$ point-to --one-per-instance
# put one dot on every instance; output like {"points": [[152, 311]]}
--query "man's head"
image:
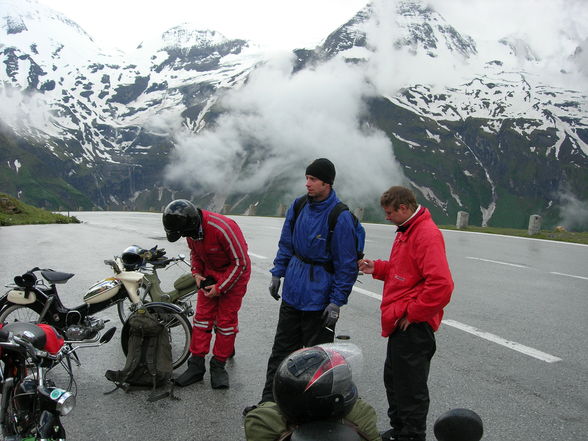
{"points": [[314, 384], [320, 176], [181, 219], [399, 203]]}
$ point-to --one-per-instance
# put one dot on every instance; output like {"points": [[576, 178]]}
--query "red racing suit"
{"points": [[219, 251], [417, 279]]}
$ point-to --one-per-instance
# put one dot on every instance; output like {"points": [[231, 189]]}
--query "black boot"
{"points": [[194, 373], [219, 378]]}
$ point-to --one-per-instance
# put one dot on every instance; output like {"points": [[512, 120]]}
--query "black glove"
{"points": [[330, 315], [274, 287]]}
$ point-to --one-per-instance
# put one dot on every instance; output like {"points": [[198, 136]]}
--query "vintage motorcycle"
{"points": [[135, 258], [32, 402], [32, 300]]}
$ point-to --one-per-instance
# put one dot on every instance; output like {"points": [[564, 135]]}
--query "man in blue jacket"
{"points": [[318, 273]]}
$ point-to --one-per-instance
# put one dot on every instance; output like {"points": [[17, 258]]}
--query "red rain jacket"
{"points": [[222, 253], [417, 279]]}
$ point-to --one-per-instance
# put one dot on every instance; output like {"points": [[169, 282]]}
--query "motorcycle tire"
{"points": [[180, 332], [18, 313]]}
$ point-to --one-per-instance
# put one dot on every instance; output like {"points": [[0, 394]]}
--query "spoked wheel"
{"points": [[178, 326], [124, 309], [18, 313]]}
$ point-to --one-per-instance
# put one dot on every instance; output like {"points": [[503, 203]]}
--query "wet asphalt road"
{"points": [[513, 346]]}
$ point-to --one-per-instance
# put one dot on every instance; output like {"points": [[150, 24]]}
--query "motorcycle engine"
{"points": [[84, 331]]}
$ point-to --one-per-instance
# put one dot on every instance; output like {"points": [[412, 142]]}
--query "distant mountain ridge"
{"points": [[85, 128]]}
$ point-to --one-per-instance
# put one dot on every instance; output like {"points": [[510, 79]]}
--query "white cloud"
{"points": [[278, 123]]}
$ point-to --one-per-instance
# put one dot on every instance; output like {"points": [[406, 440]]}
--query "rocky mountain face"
{"points": [[471, 128]]}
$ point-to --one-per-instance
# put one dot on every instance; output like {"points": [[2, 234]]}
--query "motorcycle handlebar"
{"points": [[18, 343]]}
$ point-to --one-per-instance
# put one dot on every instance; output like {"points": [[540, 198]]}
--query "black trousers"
{"points": [[296, 329], [406, 372]]}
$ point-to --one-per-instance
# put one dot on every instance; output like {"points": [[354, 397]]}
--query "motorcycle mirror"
{"points": [[108, 335], [182, 256]]}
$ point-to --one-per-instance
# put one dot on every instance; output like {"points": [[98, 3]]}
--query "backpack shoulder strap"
{"points": [[298, 206], [339, 208]]}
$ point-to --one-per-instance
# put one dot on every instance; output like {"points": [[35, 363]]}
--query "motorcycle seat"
{"points": [[56, 276]]}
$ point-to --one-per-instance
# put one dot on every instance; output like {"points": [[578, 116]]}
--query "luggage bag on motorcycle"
{"points": [[149, 357]]}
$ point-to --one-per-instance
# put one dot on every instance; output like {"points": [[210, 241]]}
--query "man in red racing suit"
{"points": [[221, 268], [417, 286]]}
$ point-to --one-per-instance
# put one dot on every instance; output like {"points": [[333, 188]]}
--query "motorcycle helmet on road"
{"points": [[181, 219], [133, 258], [314, 384]]}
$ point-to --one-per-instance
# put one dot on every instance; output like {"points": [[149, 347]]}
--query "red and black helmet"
{"points": [[181, 219], [314, 384]]}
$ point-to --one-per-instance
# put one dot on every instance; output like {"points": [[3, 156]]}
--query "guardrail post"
{"points": [[463, 218], [534, 224], [281, 211], [358, 212]]}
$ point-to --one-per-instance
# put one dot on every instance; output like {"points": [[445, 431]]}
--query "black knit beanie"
{"points": [[322, 169]]}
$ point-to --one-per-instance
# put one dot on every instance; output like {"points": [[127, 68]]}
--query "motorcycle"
{"points": [[32, 404], [148, 262], [32, 300]]}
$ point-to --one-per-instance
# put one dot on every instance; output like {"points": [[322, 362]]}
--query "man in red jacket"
{"points": [[221, 267], [417, 286]]}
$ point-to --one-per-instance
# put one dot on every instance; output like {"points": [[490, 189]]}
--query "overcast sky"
{"points": [[304, 23], [275, 23]]}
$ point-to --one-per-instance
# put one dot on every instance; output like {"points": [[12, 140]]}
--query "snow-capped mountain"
{"points": [[486, 127]]}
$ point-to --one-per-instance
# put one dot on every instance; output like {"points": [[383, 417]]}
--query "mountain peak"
{"points": [[184, 36]]}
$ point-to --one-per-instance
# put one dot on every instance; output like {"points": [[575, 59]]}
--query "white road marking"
{"points": [[497, 261], [256, 255], [501, 341], [568, 275], [367, 293], [535, 353]]}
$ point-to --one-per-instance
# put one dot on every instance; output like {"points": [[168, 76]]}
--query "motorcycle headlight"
{"points": [[64, 401]]}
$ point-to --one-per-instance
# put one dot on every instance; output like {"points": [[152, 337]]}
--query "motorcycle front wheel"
{"points": [[178, 326]]}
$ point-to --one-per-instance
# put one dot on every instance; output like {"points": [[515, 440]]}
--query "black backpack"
{"points": [[149, 357], [332, 221]]}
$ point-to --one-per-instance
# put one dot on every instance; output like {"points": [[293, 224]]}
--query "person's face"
{"points": [[316, 188], [398, 216]]}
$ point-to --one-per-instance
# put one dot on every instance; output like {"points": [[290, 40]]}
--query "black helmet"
{"points": [[459, 425], [314, 384], [133, 257], [181, 218]]}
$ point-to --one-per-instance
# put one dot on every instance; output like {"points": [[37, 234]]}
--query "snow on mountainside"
{"points": [[73, 83], [488, 83], [423, 65], [483, 126]]}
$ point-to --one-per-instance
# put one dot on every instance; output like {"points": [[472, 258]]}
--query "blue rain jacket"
{"points": [[310, 242]]}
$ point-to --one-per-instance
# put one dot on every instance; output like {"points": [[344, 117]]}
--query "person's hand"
{"points": [[210, 291], [330, 315], [274, 287], [198, 278], [403, 323], [366, 266]]}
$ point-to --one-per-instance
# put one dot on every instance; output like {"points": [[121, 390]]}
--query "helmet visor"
{"points": [[172, 236]]}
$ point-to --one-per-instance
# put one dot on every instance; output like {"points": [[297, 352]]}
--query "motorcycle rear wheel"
{"points": [[180, 332], [18, 313]]}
